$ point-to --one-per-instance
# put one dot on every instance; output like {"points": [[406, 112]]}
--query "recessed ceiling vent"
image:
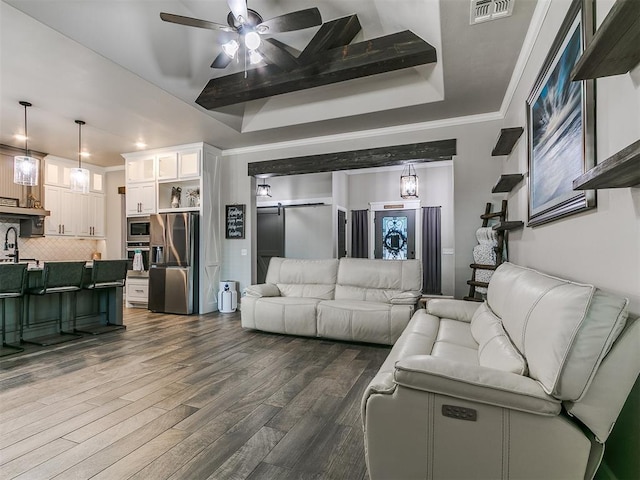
{"points": [[485, 10]]}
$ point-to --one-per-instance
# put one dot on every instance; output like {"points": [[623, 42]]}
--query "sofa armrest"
{"points": [[475, 383], [262, 290], [405, 298], [461, 310]]}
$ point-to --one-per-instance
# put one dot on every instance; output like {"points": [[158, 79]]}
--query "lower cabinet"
{"points": [[137, 292]]}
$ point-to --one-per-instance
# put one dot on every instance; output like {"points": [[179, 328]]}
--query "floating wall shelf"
{"points": [[502, 226], [507, 182], [614, 48], [618, 171], [507, 139]]}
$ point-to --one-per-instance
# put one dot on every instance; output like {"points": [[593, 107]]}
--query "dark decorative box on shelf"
{"points": [[507, 139], [507, 182], [618, 171], [614, 48], [513, 225]]}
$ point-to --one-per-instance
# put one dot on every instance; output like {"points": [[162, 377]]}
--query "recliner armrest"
{"points": [[405, 298], [262, 290], [461, 310], [474, 383]]}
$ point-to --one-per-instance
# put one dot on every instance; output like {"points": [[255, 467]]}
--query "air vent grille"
{"points": [[485, 10]]}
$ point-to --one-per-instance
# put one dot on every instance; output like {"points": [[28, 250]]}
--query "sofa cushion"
{"points": [[321, 291], [377, 280], [291, 270], [291, 315], [563, 329], [495, 349], [362, 321]]}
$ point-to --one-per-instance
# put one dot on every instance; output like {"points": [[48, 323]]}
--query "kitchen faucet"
{"points": [[14, 245]]}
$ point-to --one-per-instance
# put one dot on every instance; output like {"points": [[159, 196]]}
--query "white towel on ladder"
{"points": [[485, 254]]}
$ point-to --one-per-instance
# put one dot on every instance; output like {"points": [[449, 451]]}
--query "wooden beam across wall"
{"points": [[367, 158]]}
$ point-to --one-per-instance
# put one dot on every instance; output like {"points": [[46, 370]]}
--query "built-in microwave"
{"points": [[138, 229]]}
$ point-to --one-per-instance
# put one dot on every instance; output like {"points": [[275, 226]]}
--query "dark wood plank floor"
{"points": [[185, 397]]}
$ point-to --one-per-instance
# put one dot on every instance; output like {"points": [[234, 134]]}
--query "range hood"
{"points": [[22, 212]]}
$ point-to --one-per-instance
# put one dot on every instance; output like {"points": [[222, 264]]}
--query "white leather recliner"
{"points": [[526, 385]]}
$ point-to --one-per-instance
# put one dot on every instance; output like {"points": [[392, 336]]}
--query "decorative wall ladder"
{"points": [[501, 227]]}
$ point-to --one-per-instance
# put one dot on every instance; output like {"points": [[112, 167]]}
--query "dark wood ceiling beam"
{"points": [[378, 55], [368, 158], [333, 34]]}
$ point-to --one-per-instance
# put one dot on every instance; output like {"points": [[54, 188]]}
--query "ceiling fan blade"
{"points": [[238, 9], [194, 22], [289, 22], [275, 53], [221, 61]]}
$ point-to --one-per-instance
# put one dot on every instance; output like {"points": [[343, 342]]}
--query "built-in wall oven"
{"points": [[138, 229], [143, 247]]}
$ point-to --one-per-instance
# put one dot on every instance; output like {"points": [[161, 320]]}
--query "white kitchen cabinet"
{"points": [[137, 292], [57, 171], [90, 216], [189, 164], [97, 180], [141, 169], [141, 199], [167, 166], [62, 204]]}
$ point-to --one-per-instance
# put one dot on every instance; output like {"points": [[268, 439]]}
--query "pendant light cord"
{"points": [[80, 123]]}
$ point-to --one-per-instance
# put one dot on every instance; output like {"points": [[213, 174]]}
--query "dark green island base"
{"points": [[91, 310]]}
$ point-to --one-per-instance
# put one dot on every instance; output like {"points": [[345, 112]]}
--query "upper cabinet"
{"points": [[73, 214], [141, 169], [176, 185]]}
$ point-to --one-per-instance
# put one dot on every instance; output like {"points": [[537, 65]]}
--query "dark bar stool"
{"points": [[57, 278], [106, 277], [13, 277]]}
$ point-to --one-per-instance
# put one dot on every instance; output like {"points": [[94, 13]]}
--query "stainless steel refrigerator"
{"points": [[173, 272]]}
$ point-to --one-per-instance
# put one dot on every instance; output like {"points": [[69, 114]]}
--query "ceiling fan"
{"points": [[248, 26]]}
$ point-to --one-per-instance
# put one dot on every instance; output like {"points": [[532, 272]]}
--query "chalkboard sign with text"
{"points": [[235, 221]]}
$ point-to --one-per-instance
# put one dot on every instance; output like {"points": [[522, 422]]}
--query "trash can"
{"points": [[227, 297]]}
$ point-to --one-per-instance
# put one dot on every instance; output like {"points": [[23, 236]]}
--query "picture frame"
{"points": [[561, 124], [234, 222], [9, 202]]}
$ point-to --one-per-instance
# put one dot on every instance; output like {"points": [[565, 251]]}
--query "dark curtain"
{"points": [[360, 233], [431, 251]]}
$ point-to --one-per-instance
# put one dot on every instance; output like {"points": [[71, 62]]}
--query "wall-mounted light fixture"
{"points": [[26, 168], [263, 190], [409, 182], [79, 176]]}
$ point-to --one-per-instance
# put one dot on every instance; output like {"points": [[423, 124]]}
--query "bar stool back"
{"points": [[57, 278], [13, 277], [106, 276]]}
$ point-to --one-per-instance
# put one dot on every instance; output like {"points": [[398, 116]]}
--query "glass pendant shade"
{"points": [[409, 183], [252, 40], [263, 190], [230, 48], [26, 169], [79, 177]]}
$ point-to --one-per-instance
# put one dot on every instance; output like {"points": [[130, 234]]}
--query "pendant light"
{"points": [[25, 167], [79, 176], [409, 183], [263, 190]]}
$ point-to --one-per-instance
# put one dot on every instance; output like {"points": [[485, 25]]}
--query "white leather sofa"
{"points": [[525, 385], [348, 299]]}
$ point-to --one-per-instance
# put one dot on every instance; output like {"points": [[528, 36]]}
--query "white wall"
{"points": [[115, 216], [474, 174], [308, 232], [600, 246]]}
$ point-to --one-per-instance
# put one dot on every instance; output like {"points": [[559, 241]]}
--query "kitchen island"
{"points": [[91, 307]]}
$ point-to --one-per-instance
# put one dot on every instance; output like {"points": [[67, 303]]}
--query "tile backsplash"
{"points": [[50, 248]]}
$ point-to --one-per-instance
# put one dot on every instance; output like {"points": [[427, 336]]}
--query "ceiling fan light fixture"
{"points": [[79, 177], [231, 48], [26, 168], [254, 57], [252, 40]]}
